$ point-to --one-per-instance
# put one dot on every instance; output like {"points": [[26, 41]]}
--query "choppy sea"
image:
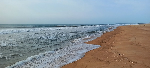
{"points": [[47, 45]]}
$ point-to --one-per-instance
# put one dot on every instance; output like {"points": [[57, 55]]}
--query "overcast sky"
{"points": [[74, 11]]}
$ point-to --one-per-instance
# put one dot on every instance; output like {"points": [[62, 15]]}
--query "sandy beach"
{"points": [[125, 47]]}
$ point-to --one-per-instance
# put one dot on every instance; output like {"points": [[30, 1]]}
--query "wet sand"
{"points": [[125, 47]]}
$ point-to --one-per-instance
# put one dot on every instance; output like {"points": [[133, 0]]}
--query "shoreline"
{"points": [[60, 56], [126, 47]]}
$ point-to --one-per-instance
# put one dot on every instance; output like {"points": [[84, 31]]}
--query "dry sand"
{"points": [[125, 47]]}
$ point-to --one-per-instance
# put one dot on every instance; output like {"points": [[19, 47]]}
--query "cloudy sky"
{"points": [[74, 11]]}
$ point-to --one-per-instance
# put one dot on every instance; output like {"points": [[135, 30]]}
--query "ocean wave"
{"points": [[56, 59]]}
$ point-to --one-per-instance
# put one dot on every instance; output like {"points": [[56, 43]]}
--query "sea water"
{"points": [[46, 46]]}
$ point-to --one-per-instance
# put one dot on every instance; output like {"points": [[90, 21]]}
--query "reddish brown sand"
{"points": [[125, 47]]}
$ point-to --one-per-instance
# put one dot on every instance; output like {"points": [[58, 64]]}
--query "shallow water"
{"points": [[19, 44]]}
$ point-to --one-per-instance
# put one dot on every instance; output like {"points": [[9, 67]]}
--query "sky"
{"points": [[74, 11]]}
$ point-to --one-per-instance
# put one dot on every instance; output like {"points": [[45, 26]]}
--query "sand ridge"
{"points": [[125, 47]]}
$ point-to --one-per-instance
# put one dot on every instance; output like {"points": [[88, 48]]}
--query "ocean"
{"points": [[47, 45]]}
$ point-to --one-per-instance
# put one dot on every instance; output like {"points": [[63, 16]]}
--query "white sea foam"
{"points": [[56, 59]]}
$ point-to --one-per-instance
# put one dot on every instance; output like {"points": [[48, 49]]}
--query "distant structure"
{"points": [[141, 23]]}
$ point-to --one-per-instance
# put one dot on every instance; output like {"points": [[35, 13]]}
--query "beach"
{"points": [[125, 47], [43, 46]]}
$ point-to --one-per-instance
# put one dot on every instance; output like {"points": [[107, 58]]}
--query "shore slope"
{"points": [[125, 47]]}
